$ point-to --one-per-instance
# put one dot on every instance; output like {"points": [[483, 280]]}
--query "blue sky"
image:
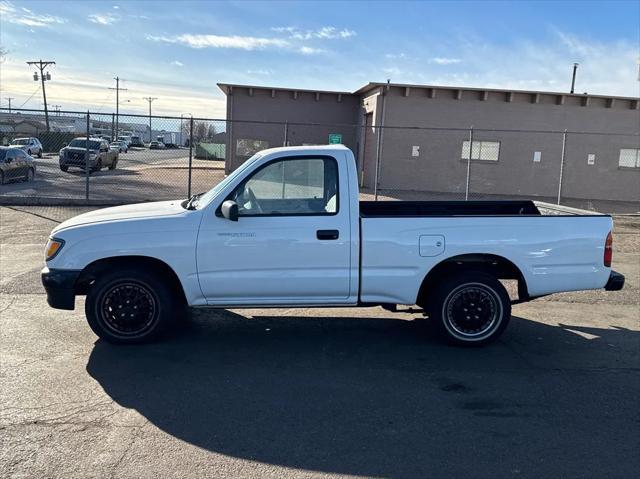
{"points": [[177, 51]]}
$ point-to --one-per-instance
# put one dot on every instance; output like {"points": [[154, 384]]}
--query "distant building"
{"points": [[525, 161]]}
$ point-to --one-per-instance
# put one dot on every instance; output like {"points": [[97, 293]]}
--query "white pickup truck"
{"points": [[286, 229]]}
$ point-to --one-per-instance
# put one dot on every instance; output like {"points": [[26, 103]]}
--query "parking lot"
{"points": [[141, 175], [316, 392]]}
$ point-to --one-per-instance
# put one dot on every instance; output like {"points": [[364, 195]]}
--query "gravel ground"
{"points": [[316, 393]]}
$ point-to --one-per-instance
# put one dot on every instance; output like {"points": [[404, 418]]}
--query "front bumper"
{"points": [[615, 283], [60, 287]]}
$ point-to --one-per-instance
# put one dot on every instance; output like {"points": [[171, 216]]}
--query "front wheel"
{"points": [[64, 168], [470, 308], [40, 154], [131, 306], [30, 175]]}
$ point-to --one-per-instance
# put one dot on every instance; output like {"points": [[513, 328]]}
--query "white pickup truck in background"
{"points": [[287, 229]]}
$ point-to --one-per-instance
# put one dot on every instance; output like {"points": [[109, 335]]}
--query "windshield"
{"points": [[82, 143], [21, 141], [205, 199]]}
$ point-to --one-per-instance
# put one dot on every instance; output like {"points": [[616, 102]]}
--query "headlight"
{"points": [[61, 153], [54, 245]]}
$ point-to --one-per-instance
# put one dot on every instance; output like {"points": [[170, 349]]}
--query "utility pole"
{"points": [[57, 109], [573, 78], [150, 100], [9, 100], [117, 89], [43, 77]]}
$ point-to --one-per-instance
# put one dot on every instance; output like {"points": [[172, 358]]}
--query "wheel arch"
{"points": [[499, 266], [90, 272]]}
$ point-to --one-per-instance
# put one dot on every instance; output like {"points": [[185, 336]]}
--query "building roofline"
{"points": [[374, 85], [227, 87]]}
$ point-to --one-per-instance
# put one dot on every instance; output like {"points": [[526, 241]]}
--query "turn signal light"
{"points": [[52, 248], [608, 250]]}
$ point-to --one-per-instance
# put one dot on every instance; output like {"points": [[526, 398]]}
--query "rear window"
{"points": [[82, 143], [21, 141]]}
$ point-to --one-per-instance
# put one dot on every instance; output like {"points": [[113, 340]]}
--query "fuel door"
{"points": [[431, 245]]}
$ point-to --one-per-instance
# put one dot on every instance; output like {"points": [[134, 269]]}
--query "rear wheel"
{"points": [[30, 175], [98, 166], [64, 168], [29, 152], [40, 154], [113, 165], [470, 308], [1, 178], [131, 306]]}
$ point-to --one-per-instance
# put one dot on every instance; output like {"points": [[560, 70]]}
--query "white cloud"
{"points": [[260, 72], [324, 33], [103, 18], [393, 56], [310, 50], [235, 42], [221, 41], [24, 16], [445, 61], [177, 63]]}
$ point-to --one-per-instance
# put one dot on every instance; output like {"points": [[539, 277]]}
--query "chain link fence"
{"points": [[133, 158]]}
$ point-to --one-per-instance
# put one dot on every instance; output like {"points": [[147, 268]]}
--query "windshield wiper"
{"points": [[192, 202]]}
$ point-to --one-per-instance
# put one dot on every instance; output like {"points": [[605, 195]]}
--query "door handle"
{"points": [[327, 234]]}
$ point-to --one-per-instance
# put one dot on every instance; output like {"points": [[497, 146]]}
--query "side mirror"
{"points": [[229, 210]]}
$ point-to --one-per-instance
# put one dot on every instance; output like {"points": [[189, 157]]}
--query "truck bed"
{"points": [[372, 209]]}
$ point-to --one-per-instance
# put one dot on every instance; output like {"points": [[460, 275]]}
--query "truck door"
{"points": [[291, 243]]}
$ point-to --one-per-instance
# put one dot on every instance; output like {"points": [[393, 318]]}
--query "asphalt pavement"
{"points": [[140, 175], [316, 392]]}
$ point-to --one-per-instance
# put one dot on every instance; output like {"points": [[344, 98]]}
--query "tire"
{"points": [[113, 165], [470, 308], [64, 168], [98, 166], [1, 178], [158, 305], [29, 152], [30, 175], [40, 154]]}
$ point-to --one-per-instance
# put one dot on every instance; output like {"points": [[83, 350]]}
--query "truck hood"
{"points": [[124, 213]]}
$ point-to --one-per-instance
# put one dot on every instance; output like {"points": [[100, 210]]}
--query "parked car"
{"points": [[15, 164], [286, 229], [31, 146], [119, 146], [168, 139], [156, 145], [126, 139], [136, 141], [100, 155]]}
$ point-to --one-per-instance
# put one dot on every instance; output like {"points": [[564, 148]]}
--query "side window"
{"points": [[305, 186], [11, 154], [20, 155]]}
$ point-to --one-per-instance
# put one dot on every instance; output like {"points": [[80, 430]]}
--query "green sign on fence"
{"points": [[335, 138]]}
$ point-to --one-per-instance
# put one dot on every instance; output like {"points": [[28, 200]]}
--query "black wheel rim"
{"points": [[129, 309], [472, 311]]}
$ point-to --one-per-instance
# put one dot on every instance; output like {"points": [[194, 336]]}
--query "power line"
{"points": [[27, 100], [41, 65]]}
